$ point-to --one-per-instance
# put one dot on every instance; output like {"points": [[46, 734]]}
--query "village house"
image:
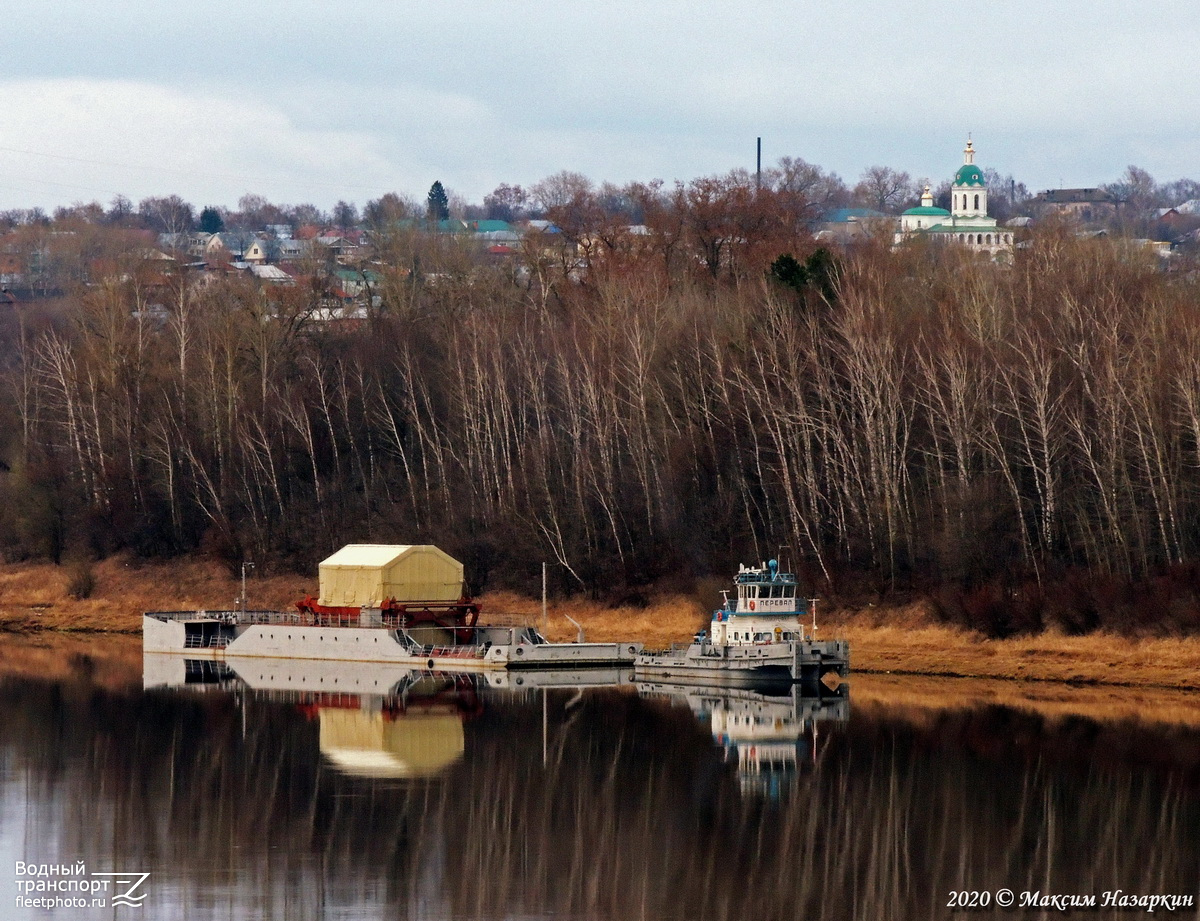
{"points": [[843, 225], [1087, 205]]}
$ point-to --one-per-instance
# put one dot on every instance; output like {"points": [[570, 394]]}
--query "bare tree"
{"points": [[557, 190], [884, 189], [170, 215]]}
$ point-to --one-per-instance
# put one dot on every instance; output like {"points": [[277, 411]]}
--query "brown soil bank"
{"points": [[37, 597]]}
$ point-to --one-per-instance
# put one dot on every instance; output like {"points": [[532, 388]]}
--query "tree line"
{"points": [[882, 188], [1021, 442]]}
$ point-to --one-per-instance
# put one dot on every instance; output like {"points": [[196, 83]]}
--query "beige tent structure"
{"points": [[366, 575]]}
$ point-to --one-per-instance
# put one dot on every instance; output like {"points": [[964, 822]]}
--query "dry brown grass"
{"points": [[1098, 658], [35, 596], [664, 621]]}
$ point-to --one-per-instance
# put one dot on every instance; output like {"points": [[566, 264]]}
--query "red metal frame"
{"points": [[459, 616], [459, 694]]}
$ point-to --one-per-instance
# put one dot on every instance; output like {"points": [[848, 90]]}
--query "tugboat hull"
{"points": [[806, 662]]}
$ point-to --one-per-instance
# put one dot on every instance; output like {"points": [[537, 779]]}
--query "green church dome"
{"points": [[969, 174], [928, 210]]}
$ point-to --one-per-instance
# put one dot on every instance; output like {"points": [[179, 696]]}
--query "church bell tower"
{"points": [[968, 195]]}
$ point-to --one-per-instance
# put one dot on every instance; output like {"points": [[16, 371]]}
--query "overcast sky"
{"points": [[306, 101]]}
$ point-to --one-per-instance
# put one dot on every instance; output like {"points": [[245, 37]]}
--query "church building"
{"points": [[967, 222]]}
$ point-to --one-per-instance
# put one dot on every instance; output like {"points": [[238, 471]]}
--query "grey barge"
{"points": [[396, 604], [285, 635], [758, 637]]}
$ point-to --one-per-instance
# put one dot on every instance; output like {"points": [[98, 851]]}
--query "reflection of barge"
{"points": [[379, 603], [374, 720], [754, 638]]}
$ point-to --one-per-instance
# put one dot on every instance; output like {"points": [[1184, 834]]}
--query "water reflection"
{"points": [[375, 720], [255, 794], [768, 733]]}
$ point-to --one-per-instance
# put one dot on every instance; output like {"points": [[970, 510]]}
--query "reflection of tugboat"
{"points": [[769, 736], [757, 637]]}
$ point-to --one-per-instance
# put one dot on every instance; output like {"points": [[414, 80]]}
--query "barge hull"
{"points": [[221, 636]]}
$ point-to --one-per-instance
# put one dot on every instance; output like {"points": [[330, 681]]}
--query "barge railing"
{"points": [[268, 618]]}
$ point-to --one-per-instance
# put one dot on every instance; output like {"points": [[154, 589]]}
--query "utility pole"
{"points": [[758, 169], [545, 626], [245, 565]]}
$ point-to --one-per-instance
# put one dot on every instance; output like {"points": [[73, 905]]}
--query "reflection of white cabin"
{"points": [[768, 736]]}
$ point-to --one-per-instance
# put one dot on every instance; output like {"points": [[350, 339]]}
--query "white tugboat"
{"points": [[758, 636]]}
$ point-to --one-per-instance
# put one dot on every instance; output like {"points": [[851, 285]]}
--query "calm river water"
{"points": [[275, 791]]}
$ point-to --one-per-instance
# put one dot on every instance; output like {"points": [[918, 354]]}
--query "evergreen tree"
{"points": [[788, 270], [818, 273], [439, 202], [211, 220]]}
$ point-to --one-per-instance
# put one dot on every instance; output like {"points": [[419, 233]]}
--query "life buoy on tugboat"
{"points": [[751, 605]]}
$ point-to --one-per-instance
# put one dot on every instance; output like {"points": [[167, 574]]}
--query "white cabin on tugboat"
{"points": [[767, 609]]}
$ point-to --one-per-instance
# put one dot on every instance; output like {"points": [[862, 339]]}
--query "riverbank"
{"points": [[908, 640], [899, 641]]}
